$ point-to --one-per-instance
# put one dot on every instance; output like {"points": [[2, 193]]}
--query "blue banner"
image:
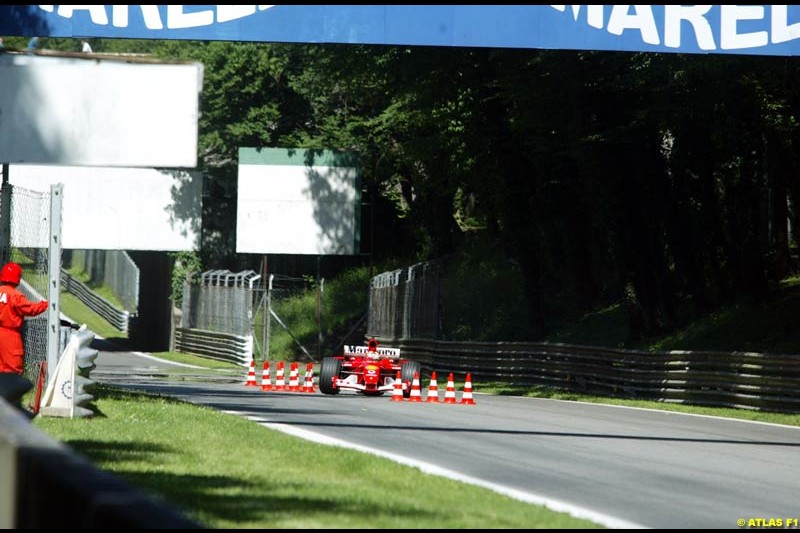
{"points": [[693, 29]]}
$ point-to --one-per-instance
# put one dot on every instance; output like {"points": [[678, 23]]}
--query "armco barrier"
{"points": [[215, 345], [44, 485], [744, 380], [116, 317]]}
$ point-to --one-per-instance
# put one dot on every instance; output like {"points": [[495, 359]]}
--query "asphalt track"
{"points": [[620, 467]]}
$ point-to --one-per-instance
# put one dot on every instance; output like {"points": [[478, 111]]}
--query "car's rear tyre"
{"points": [[407, 371], [328, 371]]}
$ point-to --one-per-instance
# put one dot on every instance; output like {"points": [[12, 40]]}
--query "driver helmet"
{"points": [[11, 273], [372, 348]]}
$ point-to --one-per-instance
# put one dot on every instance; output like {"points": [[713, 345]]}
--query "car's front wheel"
{"points": [[329, 370]]}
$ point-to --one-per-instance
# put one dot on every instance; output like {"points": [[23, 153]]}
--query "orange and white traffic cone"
{"points": [[251, 375], [266, 382], [308, 382], [433, 390], [397, 392], [466, 396], [280, 378], [450, 391], [294, 378], [416, 395]]}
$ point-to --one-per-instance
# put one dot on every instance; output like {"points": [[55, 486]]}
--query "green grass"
{"points": [[227, 472]]}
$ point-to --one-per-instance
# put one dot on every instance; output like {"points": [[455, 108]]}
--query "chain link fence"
{"points": [[29, 240], [240, 316], [281, 325]]}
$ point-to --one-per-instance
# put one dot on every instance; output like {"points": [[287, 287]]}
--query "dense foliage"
{"points": [[664, 181]]}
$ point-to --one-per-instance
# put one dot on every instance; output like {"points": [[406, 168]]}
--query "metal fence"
{"points": [[29, 246], [240, 316], [219, 300], [216, 314], [279, 323], [30, 234], [406, 303], [113, 268]]}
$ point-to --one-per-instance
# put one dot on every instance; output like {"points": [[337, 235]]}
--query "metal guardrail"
{"points": [[118, 318], [215, 345], [743, 380], [44, 485]]}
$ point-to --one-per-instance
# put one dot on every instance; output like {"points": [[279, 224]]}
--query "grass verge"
{"points": [[227, 472], [77, 311]]}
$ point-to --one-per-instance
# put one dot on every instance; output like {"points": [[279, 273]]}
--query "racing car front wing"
{"points": [[351, 383]]}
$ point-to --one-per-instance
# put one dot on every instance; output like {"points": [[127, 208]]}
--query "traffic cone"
{"points": [[280, 379], [397, 392], [416, 395], [294, 378], [308, 384], [433, 390], [466, 396], [266, 383], [450, 391], [251, 375]]}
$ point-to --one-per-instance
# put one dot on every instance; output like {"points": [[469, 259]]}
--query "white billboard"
{"points": [[91, 110], [121, 208], [297, 201]]}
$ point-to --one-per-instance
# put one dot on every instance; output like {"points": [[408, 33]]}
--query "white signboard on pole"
{"points": [[295, 201], [98, 111]]}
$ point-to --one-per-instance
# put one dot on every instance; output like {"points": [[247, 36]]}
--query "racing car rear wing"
{"points": [[351, 349]]}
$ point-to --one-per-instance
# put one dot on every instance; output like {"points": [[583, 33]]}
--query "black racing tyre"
{"points": [[407, 371], [330, 369]]}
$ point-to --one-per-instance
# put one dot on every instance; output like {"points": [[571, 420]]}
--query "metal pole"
{"points": [[321, 291], [267, 317], [265, 313], [54, 279], [5, 217], [319, 310]]}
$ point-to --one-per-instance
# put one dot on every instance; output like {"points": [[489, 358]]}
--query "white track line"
{"points": [[527, 497]]}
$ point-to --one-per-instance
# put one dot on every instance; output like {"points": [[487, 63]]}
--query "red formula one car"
{"points": [[369, 370]]}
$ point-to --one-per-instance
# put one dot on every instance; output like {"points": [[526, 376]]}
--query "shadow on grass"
{"points": [[217, 499], [116, 450], [229, 499]]}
